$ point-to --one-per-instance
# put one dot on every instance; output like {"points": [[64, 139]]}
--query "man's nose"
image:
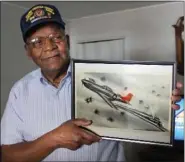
{"points": [[49, 45]]}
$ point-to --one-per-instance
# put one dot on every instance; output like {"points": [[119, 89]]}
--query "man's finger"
{"points": [[82, 122], [175, 98], [75, 146], [86, 142], [176, 92], [179, 85], [90, 136], [175, 106]]}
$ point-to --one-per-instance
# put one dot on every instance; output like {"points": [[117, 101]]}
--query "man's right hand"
{"points": [[70, 135]]}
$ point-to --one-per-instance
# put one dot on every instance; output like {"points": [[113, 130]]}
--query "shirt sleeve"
{"points": [[11, 122]]}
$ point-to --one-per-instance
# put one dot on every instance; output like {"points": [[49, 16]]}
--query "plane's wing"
{"points": [[107, 101]]}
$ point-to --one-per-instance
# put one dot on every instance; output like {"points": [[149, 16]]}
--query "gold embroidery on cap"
{"points": [[29, 14], [50, 10], [39, 11]]}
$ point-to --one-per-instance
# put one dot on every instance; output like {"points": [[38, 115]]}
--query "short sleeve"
{"points": [[11, 122]]}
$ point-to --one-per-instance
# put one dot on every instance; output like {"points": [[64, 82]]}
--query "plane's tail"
{"points": [[127, 98]]}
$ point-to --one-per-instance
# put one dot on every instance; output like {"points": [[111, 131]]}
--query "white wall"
{"points": [[148, 31]]}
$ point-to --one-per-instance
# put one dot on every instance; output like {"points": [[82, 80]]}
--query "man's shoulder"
{"points": [[31, 75], [27, 80]]}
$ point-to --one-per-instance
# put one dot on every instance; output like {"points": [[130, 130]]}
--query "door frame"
{"points": [[75, 40]]}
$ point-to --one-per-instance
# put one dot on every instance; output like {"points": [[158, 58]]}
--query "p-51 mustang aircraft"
{"points": [[106, 93]]}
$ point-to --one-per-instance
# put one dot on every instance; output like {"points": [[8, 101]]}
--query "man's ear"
{"points": [[28, 52]]}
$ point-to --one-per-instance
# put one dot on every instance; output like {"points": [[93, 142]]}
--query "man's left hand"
{"points": [[176, 96]]}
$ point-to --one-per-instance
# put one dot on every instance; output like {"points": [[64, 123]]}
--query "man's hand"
{"points": [[176, 96], [70, 135]]}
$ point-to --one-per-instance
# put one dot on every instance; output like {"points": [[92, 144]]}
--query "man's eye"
{"points": [[37, 42], [58, 38]]}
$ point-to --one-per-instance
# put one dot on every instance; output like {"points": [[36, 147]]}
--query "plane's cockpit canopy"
{"points": [[107, 88], [92, 80]]}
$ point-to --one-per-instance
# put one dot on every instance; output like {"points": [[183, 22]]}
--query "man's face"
{"points": [[51, 54]]}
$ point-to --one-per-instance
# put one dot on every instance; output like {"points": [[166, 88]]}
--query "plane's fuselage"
{"points": [[99, 89]]}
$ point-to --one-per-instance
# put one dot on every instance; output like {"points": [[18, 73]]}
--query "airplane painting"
{"points": [[107, 94], [125, 104]]}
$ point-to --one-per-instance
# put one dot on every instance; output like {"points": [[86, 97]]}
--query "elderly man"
{"points": [[36, 124]]}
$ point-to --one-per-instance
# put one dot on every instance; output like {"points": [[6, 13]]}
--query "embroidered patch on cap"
{"points": [[39, 12]]}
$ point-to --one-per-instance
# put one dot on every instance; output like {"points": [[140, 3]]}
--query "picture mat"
{"points": [[127, 69]]}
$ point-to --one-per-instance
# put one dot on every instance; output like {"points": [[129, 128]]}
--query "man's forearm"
{"points": [[34, 151]]}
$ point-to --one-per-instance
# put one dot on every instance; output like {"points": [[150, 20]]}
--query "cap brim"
{"points": [[43, 21]]}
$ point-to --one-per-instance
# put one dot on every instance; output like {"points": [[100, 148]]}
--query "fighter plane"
{"points": [[106, 93]]}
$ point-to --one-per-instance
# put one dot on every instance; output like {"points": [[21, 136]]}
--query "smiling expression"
{"points": [[47, 47]]}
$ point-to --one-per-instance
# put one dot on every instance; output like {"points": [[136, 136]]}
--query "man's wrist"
{"points": [[50, 140]]}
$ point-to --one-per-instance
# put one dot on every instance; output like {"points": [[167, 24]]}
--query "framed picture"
{"points": [[126, 100]]}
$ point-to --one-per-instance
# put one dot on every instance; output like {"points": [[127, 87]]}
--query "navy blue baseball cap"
{"points": [[40, 14]]}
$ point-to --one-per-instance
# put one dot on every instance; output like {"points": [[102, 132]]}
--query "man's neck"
{"points": [[55, 77]]}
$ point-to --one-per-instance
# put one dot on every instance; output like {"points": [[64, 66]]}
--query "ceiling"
{"points": [[77, 9]]}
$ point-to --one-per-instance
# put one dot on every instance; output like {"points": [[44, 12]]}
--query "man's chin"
{"points": [[57, 67], [52, 70]]}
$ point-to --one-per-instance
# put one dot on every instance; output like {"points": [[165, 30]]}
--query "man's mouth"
{"points": [[50, 57]]}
